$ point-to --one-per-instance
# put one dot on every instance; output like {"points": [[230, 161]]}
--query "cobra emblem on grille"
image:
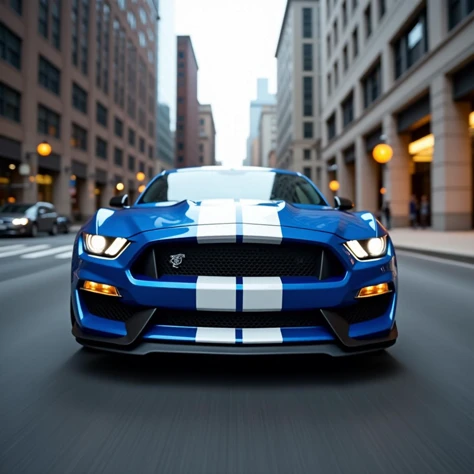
{"points": [[177, 260]]}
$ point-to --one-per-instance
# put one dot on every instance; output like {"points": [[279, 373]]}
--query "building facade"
{"points": [[164, 139], [187, 131], [401, 72], [80, 75], [299, 90], [207, 136], [267, 132], [264, 98]]}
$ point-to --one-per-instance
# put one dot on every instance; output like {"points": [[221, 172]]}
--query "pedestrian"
{"points": [[424, 211], [388, 215], [413, 212]]}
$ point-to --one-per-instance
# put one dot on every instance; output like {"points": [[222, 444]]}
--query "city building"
{"points": [[263, 98], [187, 132], [207, 136], [401, 72], [272, 159], [299, 90], [255, 152], [82, 76], [164, 139], [267, 133]]}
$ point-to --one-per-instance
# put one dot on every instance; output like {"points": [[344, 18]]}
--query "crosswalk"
{"points": [[31, 252]]}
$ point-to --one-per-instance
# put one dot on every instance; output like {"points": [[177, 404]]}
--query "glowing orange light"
{"points": [[44, 149], [140, 176], [334, 185], [383, 190], [382, 153]]}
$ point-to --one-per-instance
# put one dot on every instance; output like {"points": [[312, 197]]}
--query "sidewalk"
{"points": [[452, 245]]}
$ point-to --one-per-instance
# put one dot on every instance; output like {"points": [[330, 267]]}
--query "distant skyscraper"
{"points": [[187, 134], [207, 136], [267, 133], [263, 98], [165, 142]]}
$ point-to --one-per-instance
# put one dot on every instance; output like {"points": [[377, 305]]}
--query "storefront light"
{"points": [[12, 166], [421, 145], [471, 120]]}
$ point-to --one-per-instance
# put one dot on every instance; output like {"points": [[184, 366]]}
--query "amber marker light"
{"points": [[100, 288], [374, 290]]}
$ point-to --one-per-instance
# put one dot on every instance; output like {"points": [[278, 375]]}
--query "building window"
{"points": [[79, 137], [10, 103], [101, 114], [79, 98], [458, 10], [49, 76], [355, 4], [141, 145], [131, 137], [307, 129], [382, 8], [345, 58], [307, 57], [180, 54], [48, 122], [329, 84], [17, 6], [307, 155], [344, 14], [132, 21], [368, 21], [307, 172], [151, 172], [101, 148], [307, 96], [75, 32], [56, 25], [336, 74], [335, 33], [141, 167], [411, 46], [118, 157], [180, 146], [85, 36], [118, 127], [151, 129], [150, 152], [10, 47], [372, 85], [331, 126], [328, 46], [355, 43], [131, 163], [307, 22], [348, 110], [43, 15]]}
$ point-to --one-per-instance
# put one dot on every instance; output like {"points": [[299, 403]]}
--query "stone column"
{"points": [[344, 178], [107, 194], [451, 169], [397, 178], [62, 198], [87, 197], [366, 179], [437, 22]]}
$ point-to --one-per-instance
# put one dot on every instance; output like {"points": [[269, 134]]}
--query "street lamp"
{"points": [[119, 186], [382, 153], [334, 185], [140, 176], [44, 149], [141, 188]]}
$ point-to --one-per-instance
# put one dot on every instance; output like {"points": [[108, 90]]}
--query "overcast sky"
{"points": [[235, 43]]}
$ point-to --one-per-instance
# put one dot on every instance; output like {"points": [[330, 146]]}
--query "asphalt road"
{"points": [[64, 410]]}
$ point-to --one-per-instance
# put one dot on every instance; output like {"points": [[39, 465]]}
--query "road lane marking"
{"points": [[20, 251], [64, 255], [8, 248], [45, 253]]}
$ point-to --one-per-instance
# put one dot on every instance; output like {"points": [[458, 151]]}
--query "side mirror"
{"points": [[343, 204], [119, 201]]}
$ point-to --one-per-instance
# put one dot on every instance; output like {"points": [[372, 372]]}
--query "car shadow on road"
{"points": [[253, 371]]}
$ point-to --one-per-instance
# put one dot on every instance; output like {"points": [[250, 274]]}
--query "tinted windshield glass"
{"points": [[200, 185], [15, 208]]}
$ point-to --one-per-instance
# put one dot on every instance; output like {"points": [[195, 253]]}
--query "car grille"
{"points": [[240, 260], [108, 307], [223, 319], [366, 309]]}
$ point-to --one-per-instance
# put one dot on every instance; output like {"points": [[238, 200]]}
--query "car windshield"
{"points": [[15, 208], [233, 184]]}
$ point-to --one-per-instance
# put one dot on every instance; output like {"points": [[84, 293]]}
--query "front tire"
{"points": [[34, 230], [54, 229]]}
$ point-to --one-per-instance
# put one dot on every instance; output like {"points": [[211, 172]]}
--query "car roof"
{"points": [[231, 168]]}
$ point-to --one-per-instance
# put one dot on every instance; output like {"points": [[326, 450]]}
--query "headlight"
{"points": [[106, 246], [367, 249], [20, 221]]}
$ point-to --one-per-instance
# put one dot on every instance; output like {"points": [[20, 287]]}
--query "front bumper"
{"points": [[142, 333]]}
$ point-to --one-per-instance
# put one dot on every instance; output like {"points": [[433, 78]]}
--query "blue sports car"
{"points": [[244, 260]]}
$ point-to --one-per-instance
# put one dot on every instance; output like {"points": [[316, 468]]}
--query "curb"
{"points": [[433, 253]]}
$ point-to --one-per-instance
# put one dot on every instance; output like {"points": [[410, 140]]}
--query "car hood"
{"points": [[146, 217]]}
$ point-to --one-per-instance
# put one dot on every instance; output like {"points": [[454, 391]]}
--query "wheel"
{"points": [[54, 229], [66, 230], [34, 230]]}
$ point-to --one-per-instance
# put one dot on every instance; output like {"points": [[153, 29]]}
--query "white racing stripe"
{"points": [[23, 250], [9, 248], [261, 224], [48, 252], [216, 335], [216, 293], [262, 294], [262, 336], [217, 221]]}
